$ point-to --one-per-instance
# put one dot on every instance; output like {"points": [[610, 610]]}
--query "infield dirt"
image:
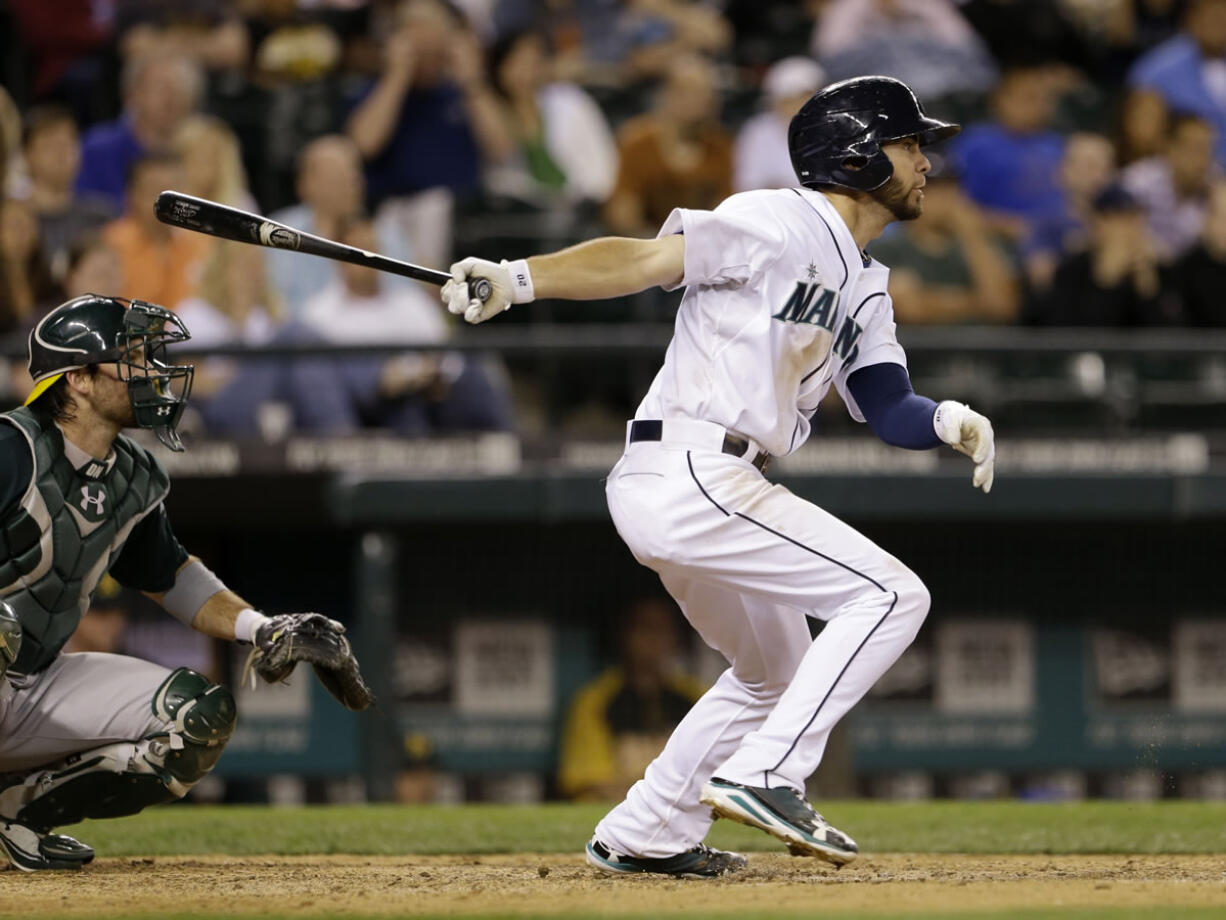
{"points": [[531, 884]]}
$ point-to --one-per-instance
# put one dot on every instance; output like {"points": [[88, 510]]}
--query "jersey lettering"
{"points": [[847, 343], [810, 303]]}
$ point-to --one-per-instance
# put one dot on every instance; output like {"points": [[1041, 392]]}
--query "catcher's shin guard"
{"points": [[125, 777]]}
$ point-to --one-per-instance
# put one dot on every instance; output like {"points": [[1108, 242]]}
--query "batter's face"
{"points": [[903, 194]]}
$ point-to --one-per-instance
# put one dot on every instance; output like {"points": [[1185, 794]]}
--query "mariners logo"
{"points": [[810, 302]]}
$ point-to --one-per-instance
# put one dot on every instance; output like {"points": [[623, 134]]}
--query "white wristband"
{"points": [[947, 421], [521, 281], [246, 623]]}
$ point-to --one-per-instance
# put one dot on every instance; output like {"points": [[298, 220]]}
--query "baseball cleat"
{"points": [[782, 813], [700, 862], [31, 851]]}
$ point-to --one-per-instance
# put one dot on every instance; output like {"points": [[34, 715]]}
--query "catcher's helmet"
{"points": [[92, 329], [836, 137]]}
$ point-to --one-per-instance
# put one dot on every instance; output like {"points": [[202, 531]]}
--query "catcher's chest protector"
{"points": [[69, 527]]}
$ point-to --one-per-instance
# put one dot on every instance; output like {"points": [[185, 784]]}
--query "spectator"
{"points": [[1142, 126], [236, 302], [53, 159], [236, 305], [10, 141], [1009, 163], [654, 33], [1201, 272], [563, 147], [1030, 32], [160, 90], [1173, 187], [925, 43], [677, 156], [208, 32], [160, 264], [1117, 281], [93, 268], [761, 158], [212, 162], [25, 279], [65, 43], [428, 124], [616, 44], [330, 188], [947, 267], [414, 393], [1189, 70], [1088, 166], [619, 722]]}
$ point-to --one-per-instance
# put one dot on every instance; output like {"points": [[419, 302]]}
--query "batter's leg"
{"points": [[764, 643]]}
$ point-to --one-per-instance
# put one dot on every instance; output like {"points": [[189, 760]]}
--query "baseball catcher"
{"points": [[95, 735]]}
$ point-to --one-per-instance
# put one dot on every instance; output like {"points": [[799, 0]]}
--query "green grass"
{"points": [[1105, 913], [879, 827]]}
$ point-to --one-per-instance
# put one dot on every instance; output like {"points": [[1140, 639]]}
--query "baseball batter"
{"points": [[781, 302], [95, 735]]}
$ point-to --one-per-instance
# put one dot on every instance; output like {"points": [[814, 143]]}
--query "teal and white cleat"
{"points": [[700, 862], [782, 813]]}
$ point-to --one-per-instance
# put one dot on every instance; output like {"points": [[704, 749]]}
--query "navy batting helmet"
{"points": [[836, 137]]}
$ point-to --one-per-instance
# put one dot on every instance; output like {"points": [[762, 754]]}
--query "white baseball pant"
{"points": [[747, 561]]}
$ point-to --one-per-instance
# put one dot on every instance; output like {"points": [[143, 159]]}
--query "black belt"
{"points": [[653, 430]]}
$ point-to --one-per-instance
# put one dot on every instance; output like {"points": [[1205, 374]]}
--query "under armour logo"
{"points": [[96, 500], [163, 410]]}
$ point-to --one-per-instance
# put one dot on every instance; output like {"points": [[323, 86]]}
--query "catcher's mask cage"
{"points": [[132, 334], [836, 137]]}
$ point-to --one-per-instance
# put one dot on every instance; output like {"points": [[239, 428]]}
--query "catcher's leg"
{"points": [[190, 721]]}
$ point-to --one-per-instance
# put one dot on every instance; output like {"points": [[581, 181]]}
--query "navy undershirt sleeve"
{"points": [[152, 555], [16, 467], [892, 409]]}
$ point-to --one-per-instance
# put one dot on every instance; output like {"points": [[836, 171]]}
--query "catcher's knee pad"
{"points": [[125, 777], [199, 717]]}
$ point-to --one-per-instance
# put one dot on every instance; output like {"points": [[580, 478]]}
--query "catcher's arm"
{"points": [[199, 599]]}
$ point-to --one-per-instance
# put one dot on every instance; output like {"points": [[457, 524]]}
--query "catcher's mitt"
{"points": [[289, 638]]}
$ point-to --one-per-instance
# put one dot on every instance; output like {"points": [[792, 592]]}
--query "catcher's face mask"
{"points": [[131, 334]]}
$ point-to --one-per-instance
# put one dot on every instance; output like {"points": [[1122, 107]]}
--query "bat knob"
{"points": [[481, 289]]}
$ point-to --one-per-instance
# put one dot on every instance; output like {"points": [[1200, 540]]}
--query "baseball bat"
{"points": [[204, 216]]}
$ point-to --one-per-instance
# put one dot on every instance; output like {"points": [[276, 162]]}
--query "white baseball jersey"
{"points": [[779, 304]]}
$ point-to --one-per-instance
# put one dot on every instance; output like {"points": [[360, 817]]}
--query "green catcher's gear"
{"points": [[133, 335], [10, 637], [67, 530], [289, 638], [123, 778]]}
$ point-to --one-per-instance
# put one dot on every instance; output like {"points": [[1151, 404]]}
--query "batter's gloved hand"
{"points": [[288, 638], [970, 433], [510, 283]]}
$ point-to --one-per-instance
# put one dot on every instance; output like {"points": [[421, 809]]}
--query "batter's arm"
{"points": [[611, 266]]}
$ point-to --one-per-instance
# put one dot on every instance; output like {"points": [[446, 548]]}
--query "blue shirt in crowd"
{"points": [[432, 145], [1013, 173], [1175, 70], [108, 151]]}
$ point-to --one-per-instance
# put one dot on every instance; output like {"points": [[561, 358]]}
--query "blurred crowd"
{"points": [[1087, 188]]}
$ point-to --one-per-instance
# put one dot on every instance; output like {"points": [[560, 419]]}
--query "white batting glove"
{"points": [[510, 282], [970, 433]]}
